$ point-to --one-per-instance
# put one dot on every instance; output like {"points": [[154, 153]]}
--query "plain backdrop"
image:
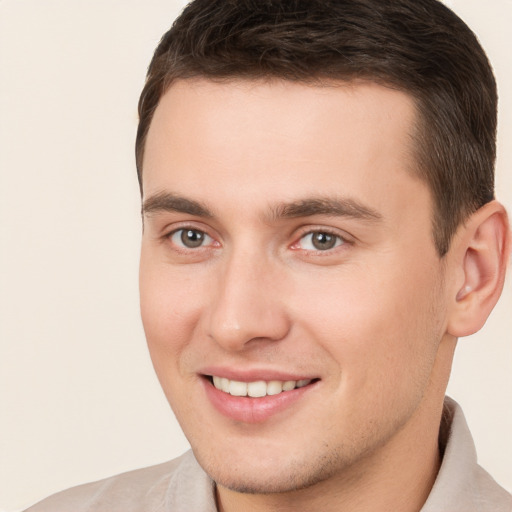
{"points": [[78, 398]]}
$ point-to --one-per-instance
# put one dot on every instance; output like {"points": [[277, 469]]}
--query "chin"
{"points": [[269, 477]]}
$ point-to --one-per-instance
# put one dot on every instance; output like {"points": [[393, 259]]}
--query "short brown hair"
{"points": [[417, 46]]}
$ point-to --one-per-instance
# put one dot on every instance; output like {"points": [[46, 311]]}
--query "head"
{"points": [[317, 200], [432, 56]]}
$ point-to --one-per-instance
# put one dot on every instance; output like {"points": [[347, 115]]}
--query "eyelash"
{"points": [[180, 232], [339, 241], [176, 238]]}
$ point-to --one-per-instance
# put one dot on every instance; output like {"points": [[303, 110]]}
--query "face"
{"points": [[291, 294]]}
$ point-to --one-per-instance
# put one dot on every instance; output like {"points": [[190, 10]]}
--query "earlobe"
{"points": [[482, 251]]}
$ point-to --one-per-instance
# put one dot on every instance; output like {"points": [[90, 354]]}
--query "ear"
{"points": [[481, 252]]}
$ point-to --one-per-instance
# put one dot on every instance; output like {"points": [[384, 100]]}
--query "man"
{"points": [[319, 229]]}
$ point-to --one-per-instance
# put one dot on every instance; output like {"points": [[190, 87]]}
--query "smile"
{"points": [[257, 389], [255, 401]]}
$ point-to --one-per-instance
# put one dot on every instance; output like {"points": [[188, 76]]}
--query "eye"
{"points": [[319, 241], [190, 238]]}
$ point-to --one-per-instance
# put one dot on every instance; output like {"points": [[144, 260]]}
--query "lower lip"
{"points": [[253, 410]]}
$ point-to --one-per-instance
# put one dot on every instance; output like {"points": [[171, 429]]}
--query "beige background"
{"points": [[78, 399]]}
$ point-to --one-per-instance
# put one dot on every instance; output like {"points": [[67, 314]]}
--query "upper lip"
{"points": [[255, 374]]}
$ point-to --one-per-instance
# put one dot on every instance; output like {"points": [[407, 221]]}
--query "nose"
{"points": [[247, 306]]}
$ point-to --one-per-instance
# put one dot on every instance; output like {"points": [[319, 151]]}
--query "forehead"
{"points": [[279, 140]]}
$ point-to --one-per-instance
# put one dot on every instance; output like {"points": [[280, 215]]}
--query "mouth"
{"points": [[258, 388], [250, 395], [255, 401]]}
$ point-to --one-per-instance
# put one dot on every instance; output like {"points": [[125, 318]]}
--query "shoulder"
{"points": [[150, 489], [480, 487], [488, 494], [461, 484]]}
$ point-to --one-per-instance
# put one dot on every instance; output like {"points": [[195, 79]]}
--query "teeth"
{"points": [[237, 388], [289, 385], [224, 385], [274, 387], [257, 388]]}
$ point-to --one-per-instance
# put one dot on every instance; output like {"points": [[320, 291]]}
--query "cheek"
{"points": [[170, 309], [377, 326]]}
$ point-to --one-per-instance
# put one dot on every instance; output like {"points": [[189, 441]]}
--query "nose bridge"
{"points": [[246, 305]]}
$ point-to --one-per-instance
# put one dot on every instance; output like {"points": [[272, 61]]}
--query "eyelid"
{"points": [[192, 226], [173, 236], [345, 238]]}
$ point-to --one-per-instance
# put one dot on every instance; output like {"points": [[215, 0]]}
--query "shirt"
{"points": [[181, 485]]}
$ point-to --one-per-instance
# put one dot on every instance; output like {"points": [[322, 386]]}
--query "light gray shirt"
{"points": [[182, 486]]}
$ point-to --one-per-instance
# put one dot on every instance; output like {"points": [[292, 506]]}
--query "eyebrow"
{"points": [[336, 207], [168, 202]]}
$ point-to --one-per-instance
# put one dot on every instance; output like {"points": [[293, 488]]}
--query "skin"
{"points": [[369, 318]]}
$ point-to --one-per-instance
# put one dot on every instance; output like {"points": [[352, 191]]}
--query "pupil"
{"points": [[192, 238], [323, 241]]}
